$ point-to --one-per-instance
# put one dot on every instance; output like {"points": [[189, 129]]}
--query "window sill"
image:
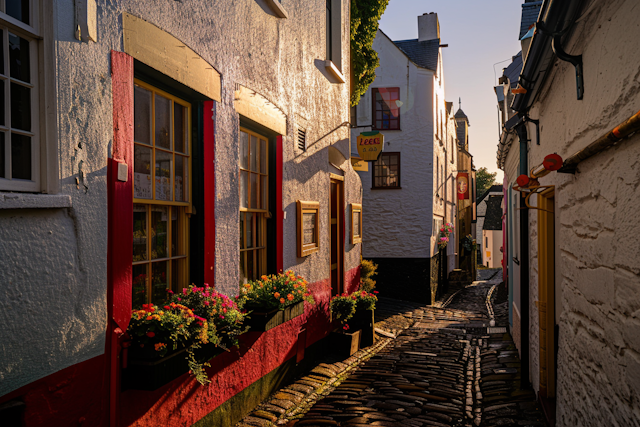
{"points": [[386, 188], [372, 128], [277, 8], [34, 201], [333, 70]]}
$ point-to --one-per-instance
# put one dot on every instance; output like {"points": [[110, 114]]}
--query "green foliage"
{"points": [[365, 15], [343, 307], [484, 181], [367, 271], [274, 292]]}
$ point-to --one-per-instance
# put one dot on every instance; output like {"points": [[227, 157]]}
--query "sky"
{"points": [[479, 34]]}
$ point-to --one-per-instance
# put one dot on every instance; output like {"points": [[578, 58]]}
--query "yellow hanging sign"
{"points": [[370, 145]]}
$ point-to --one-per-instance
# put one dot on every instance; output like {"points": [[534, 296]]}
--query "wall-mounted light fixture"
{"points": [[529, 185]]}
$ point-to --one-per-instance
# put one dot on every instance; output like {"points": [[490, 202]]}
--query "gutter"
{"points": [[555, 20]]}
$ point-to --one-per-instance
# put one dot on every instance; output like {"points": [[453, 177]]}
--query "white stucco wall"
{"points": [[402, 225], [598, 252], [54, 275]]}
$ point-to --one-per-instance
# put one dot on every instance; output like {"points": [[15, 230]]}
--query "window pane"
{"points": [[20, 156], [243, 270], [142, 172], [254, 190], [20, 107], [309, 228], [2, 157], [139, 233], [142, 115], [163, 122], [244, 150], [18, 9], [263, 156], [19, 58], [2, 53], [180, 127], [251, 271], [163, 175], [159, 218], [254, 154], [177, 274], [250, 225], [264, 200], [2, 84], [182, 178], [356, 223], [139, 293], [160, 284], [242, 222], [178, 247], [244, 189]]}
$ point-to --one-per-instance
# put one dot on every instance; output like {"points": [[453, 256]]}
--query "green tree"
{"points": [[484, 181], [365, 15]]}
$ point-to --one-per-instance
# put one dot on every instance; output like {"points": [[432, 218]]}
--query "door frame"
{"points": [[339, 181]]}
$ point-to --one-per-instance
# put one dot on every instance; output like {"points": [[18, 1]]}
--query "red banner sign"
{"points": [[463, 186]]}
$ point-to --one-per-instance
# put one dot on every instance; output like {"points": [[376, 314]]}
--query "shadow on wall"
{"points": [[265, 7]]}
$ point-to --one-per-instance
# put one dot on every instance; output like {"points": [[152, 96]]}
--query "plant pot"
{"points": [[262, 322], [345, 343], [143, 373], [364, 320]]}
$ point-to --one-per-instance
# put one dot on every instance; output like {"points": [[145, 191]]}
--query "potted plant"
{"points": [[163, 344], [274, 299], [345, 341], [358, 308]]}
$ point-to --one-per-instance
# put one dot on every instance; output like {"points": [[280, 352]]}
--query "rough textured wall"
{"points": [[598, 269], [399, 224]]}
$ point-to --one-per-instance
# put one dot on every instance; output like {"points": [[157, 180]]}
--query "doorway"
{"points": [[546, 305], [336, 234]]}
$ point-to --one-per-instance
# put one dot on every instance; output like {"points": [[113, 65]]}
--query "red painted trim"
{"points": [[209, 194], [279, 206], [120, 223]]}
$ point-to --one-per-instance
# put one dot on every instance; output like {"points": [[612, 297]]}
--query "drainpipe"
{"points": [[521, 129]]}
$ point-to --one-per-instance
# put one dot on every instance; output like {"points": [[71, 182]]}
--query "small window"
{"points": [[302, 140], [386, 108], [386, 171], [329, 31], [356, 223], [308, 227]]}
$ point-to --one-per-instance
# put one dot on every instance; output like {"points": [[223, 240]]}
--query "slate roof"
{"points": [[530, 11], [512, 72], [496, 188], [461, 115], [424, 54], [493, 217]]}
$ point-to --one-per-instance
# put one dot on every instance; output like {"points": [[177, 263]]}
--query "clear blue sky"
{"points": [[479, 34]]}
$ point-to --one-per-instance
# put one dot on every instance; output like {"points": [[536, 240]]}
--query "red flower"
{"points": [[151, 334], [375, 292]]}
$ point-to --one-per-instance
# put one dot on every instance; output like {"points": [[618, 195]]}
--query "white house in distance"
{"points": [[409, 192], [492, 231], [482, 214]]}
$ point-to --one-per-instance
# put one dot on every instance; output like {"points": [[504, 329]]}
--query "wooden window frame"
{"points": [[373, 172], [305, 207], [261, 214], [375, 91], [356, 237], [183, 208]]}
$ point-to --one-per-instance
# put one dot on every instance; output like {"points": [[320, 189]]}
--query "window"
{"points": [[386, 171], [308, 228], [356, 223], [386, 108], [254, 204], [19, 121], [161, 194], [329, 32]]}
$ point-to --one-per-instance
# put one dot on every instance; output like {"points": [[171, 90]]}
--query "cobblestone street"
{"points": [[446, 367]]}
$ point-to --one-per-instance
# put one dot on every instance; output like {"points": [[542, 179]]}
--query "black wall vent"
{"points": [[302, 139]]}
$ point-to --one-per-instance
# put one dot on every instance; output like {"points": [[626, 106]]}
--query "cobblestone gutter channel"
{"points": [[442, 369]]}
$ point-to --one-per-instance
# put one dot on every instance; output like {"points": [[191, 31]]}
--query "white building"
{"points": [[493, 191], [410, 191]]}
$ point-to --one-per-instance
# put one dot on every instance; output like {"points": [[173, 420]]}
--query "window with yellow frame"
{"points": [[161, 194], [254, 204]]}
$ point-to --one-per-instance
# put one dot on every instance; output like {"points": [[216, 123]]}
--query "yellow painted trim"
{"points": [[336, 177], [160, 50], [256, 107]]}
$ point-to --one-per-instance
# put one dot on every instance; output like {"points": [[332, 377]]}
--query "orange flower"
{"points": [[277, 295], [290, 297], [149, 318], [281, 300]]}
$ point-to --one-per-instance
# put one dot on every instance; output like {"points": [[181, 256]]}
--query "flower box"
{"points": [[262, 322], [364, 320], [345, 343]]}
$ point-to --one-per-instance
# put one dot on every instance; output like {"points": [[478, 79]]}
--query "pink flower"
{"points": [[221, 316], [375, 292], [206, 303]]}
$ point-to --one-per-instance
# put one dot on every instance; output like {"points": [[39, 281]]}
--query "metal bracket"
{"points": [[575, 60]]}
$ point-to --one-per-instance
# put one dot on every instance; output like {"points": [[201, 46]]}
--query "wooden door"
{"points": [[336, 221], [546, 294]]}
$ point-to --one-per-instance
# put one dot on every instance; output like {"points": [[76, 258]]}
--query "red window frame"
{"points": [[386, 112], [393, 165]]}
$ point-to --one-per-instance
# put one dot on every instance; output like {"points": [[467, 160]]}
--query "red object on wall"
{"points": [[279, 211], [209, 194], [523, 180], [462, 185], [552, 162]]}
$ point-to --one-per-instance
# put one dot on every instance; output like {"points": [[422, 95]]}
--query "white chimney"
{"points": [[428, 27]]}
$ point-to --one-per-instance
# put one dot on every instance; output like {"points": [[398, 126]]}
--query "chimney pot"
{"points": [[428, 27]]}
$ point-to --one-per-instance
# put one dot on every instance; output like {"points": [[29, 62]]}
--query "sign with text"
{"points": [[463, 186], [370, 145]]}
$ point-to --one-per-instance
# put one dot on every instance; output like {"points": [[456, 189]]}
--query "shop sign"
{"points": [[463, 186], [359, 165], [370, 145]]}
